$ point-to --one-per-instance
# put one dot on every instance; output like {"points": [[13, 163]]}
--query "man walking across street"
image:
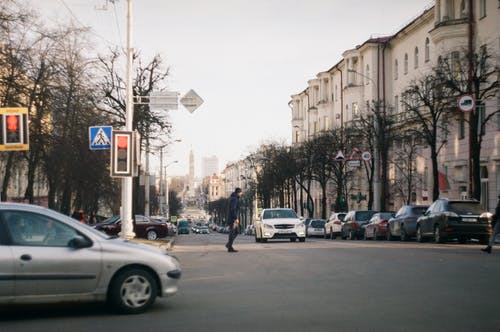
{"points": [[232, 218], [496, 227]]}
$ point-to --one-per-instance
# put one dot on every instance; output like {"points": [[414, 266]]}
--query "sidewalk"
{"points": [[164, 243]]}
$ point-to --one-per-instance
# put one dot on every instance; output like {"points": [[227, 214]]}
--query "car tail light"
{"points": [[490, 229], [383, 222], [337, 222], [355, 225], [448, 229], [164, 225]]}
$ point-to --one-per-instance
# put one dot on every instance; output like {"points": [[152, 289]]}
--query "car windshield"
{"points": [[318, 223], [386, 215], [364, 215], [419, 210], [341, 216], [279, 214], [466, 207]]}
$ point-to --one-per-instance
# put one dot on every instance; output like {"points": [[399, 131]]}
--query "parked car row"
{"points": [[442, 221], [145, 227]]}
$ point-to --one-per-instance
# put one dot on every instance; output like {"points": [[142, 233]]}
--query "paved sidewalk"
{"points": [[165, 243]]}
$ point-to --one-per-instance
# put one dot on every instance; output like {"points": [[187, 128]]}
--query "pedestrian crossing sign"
{"points": [[100, 137]]}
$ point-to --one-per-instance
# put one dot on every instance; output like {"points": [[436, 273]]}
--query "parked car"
{"points": [[377, 226], [183, 227], [333, 227], [203, 230], [250, 230], [47, 257], [447, 219], [316, 228], [404, 223], [279, 224], [354, 224], [144, 227], [307, 221]]}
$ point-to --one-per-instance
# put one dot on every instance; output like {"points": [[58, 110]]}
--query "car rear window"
{"points": [[318, 223], [420, 210], [364, 215], [341, 216], [386, 215], [183, 224], [466, 207]]}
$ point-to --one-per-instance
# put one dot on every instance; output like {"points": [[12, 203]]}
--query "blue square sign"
{"points": [[100, 137]]}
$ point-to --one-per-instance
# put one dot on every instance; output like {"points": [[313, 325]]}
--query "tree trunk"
{"points": [[6, 178], [435, 173], [323, 201]]}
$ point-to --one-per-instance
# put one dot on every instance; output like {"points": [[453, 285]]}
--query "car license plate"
{"points": [[283, 231], [318, 229], [469, 219]]}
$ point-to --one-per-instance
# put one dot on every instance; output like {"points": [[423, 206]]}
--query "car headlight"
{"points": [[268, 226], [301, 224]]}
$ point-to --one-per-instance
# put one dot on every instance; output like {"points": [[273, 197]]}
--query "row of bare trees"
{"points": [[55, 73], [429, 110]]}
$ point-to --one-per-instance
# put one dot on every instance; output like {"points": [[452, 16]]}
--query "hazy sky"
{"points": [[243, 57]]}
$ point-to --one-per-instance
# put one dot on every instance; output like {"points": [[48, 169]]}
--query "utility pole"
{"points": [[469, 88], [126, 211], [146, 182]]}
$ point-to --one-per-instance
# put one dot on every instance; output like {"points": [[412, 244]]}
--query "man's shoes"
{"points": [[487, 249], [227, 247], [232, 250]]}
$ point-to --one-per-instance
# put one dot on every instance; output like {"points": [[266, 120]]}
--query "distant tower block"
{"points": [[191, 172]]}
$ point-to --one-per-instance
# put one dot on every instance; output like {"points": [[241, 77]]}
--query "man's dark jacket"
{"points": [[234, 207]]}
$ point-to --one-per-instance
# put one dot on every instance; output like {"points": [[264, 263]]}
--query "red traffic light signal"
{"points": [[122, 152]]}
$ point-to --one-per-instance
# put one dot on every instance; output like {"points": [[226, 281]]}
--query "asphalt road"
{"points": [[320, 285]]}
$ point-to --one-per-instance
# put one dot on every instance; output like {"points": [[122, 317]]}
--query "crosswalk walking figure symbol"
{"points": [[101, 138]]}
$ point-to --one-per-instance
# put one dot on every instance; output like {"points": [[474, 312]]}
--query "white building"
{"points": [[209, 166], [381, 68]]}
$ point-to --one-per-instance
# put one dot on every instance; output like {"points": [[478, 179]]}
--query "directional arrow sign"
{"points": [[191, 101]]}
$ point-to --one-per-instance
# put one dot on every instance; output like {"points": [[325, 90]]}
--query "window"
{"points": [[426, 178], [396, 104], [438, 11], [461, 126], [482, 8], [355, 110], [416, 57], [406, 64], [367, 74], [480, 119], [336, 93], [450, 9], [455, 64], [297, 136], [30, 229], [396, 69], [326, 124], [463, 9], [427, 42]]}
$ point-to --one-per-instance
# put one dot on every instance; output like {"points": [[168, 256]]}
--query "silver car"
{"points": [[47, 257]]}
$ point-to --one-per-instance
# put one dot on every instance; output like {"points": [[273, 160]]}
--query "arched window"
{"points": [[406, 64], [396, 69], [416, 57], [427, 42], [367, 74]]}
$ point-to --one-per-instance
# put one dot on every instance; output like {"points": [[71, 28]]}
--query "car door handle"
{"points": [[26, 257]]}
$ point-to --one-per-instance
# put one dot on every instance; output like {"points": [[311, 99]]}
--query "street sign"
{"points": [[366, 155], [14, 129], [167, 100], [355, 155], [191, 101], [466, 103], [340, 156], [354, 163], [100, 137]]}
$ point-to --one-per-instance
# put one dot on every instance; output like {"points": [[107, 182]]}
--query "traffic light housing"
{"points": [[122, 154], [14, 129]]}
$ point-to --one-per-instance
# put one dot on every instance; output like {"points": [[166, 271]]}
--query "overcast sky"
{"points": [[243, 57]]}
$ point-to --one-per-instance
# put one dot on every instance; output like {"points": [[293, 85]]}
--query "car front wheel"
{"points": [[302, 239], [420, 236], [133, 291], [151, 235], [438, 238]]}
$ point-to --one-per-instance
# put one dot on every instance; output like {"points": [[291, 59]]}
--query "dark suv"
{"points": [[446, 219], [354, 224]]}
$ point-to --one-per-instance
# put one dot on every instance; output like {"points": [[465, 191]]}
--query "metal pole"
{"points": [[126, 212], [167, 194], [146, 182], [162, 194]]}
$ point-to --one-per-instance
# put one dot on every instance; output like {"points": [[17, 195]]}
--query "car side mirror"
{"points": [[79, 242], [301, 218]]}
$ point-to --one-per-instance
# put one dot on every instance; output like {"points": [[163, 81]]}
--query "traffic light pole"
{"points": [[126, 211]]}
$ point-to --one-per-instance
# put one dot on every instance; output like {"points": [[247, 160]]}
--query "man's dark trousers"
{"points": [[233, 233]]}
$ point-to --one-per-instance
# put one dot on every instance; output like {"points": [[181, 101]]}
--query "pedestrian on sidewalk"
{"points": [[232, 218], [496, 227]]}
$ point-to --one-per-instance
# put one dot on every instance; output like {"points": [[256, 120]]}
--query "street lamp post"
{"points": [[376, 157]]}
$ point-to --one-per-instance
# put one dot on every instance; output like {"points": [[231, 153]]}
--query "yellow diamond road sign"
{"points": [[191, 101]]}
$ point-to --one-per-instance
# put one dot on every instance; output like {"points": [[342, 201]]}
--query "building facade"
{"points": [[379, 70]]}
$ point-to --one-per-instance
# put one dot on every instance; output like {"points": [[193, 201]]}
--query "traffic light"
{"points": [[122, 153], [14, 133], [13, 125]]}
